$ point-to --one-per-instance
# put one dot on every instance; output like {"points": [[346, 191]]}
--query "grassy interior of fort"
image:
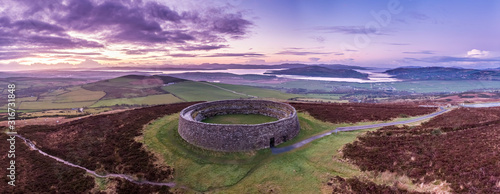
{"points": [[240, 119], [304, 170]]}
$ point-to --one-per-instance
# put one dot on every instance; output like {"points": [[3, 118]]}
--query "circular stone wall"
{"points": [[238, 137]]}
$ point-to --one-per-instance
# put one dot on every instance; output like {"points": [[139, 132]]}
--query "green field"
{"points": [[52, 113], [240, 119], [131, 86], [26, 99], [196, 91], [199, 91], [63, 112], [51, 95], [79, 94], [19, 101], [46, 105], [322, 98], [304, 170], [73, 97], [261, 93], [148, 100]]}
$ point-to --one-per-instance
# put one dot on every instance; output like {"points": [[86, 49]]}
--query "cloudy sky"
{"points": [[386, 33]]}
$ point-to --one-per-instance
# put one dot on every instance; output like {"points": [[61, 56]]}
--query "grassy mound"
{"points": [[240, 119]]}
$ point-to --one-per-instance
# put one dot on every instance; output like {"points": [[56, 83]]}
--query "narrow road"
{"points": [[352, 128], [127, 177]]}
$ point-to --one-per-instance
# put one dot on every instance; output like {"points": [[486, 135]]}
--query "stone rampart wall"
{"points": [[241, 137]]}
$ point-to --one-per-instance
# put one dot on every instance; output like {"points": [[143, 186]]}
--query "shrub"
{"points": [[403, 115], [436, 132]]}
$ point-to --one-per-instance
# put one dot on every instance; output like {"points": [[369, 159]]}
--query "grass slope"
{"points": [[148, 100], [79, 94], [131, 86], [240, 119], [47, 105], [262, 93], [73, 97], [199, 169], [195, 91]]}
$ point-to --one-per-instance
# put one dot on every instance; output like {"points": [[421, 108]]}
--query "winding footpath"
{"points": [[352, 128], [129, 178]]}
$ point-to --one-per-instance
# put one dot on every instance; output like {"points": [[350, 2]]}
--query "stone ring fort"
{"points": [[238, 137]]}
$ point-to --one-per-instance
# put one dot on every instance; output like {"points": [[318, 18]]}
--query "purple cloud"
{"points": [[35, 25], [236, 55], [143, 51], [68, 53], [302, 53], [319, 39], [202, 47], [182, 55], [347, 30], [136, 52], [162, 12], [314, 59], [60, 42], [14, 55], [152, 24], [232, 24], [425, 52]]}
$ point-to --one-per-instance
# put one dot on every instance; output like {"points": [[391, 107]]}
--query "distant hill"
{"points": [[319, 71], [411, 67], [443, 73], [131, 86], [217, 66], [331, 66]]}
